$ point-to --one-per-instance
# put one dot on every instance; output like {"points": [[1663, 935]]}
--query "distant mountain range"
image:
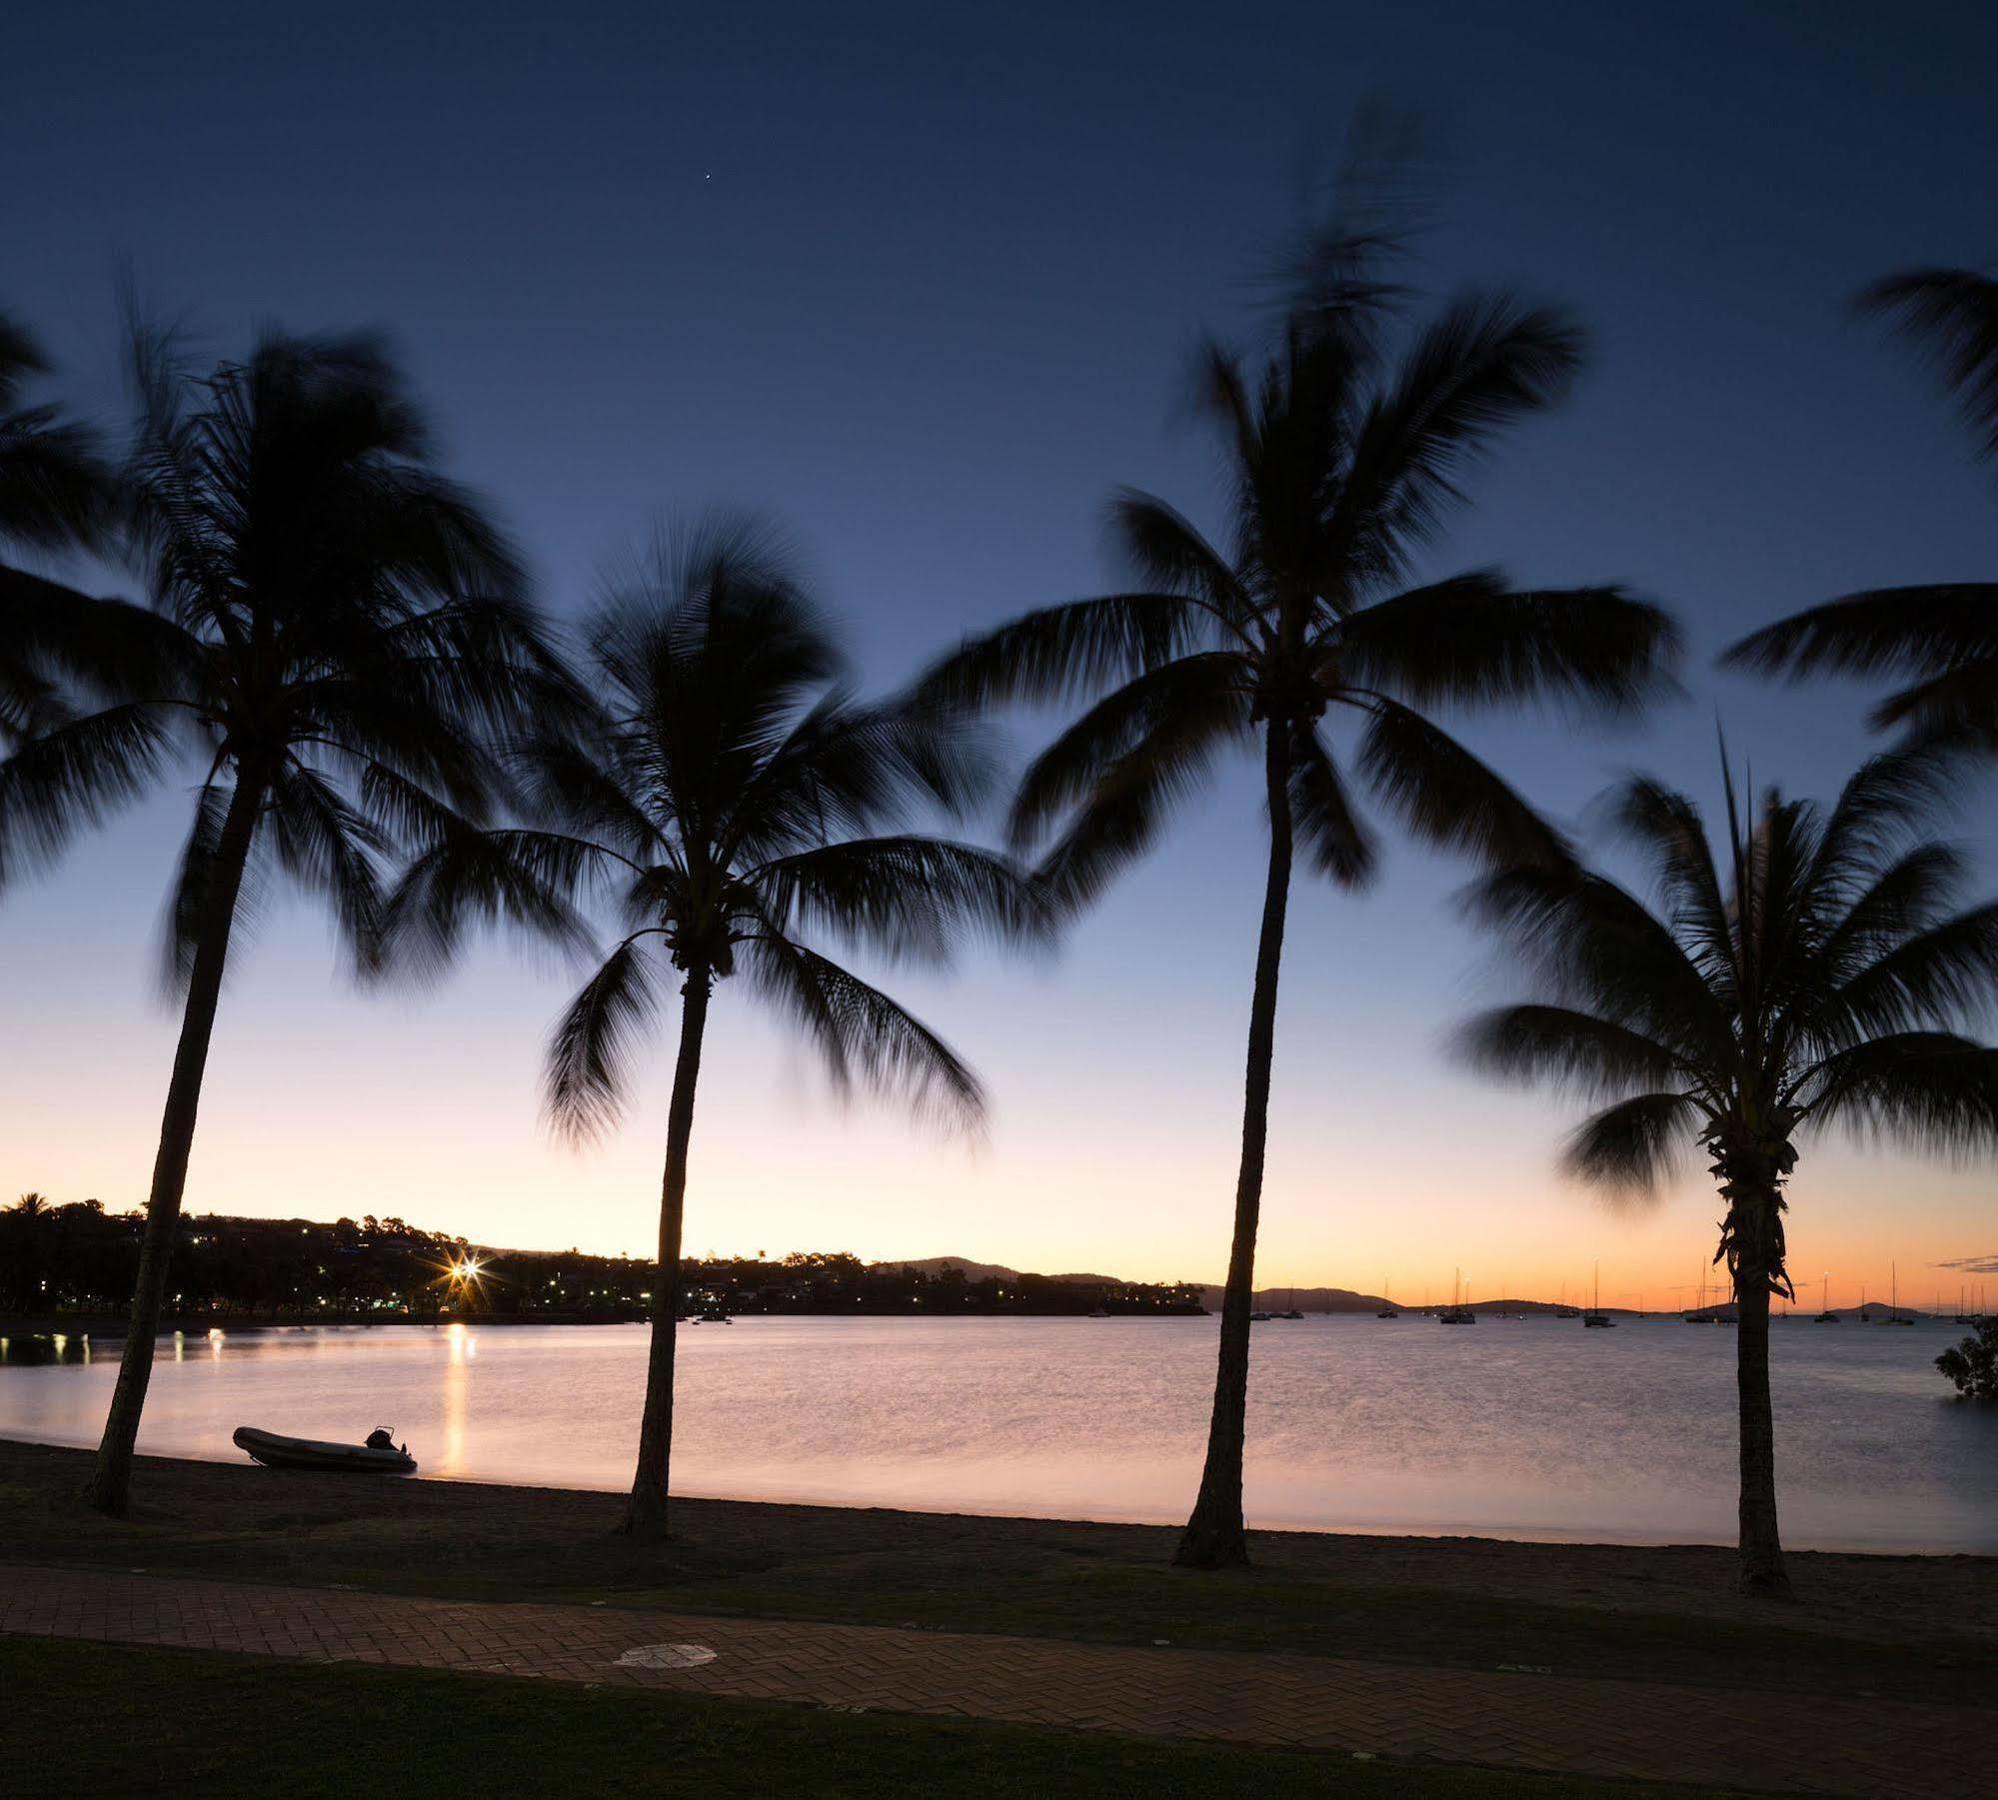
{"points": [[1346, 1300], [984, 1271]]}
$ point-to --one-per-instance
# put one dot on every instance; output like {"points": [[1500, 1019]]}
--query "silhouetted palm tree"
{"points": [[55, 492], [729, 802], [1940, 639], [334, 631], [24, 1230], [1814, 976], [1340, 464]]}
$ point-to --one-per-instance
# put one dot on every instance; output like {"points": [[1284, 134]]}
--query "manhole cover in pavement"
{"points": [[666, 1656]]}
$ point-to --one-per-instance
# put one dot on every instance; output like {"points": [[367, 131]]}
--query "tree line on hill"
{"points": [[72, 1261]]}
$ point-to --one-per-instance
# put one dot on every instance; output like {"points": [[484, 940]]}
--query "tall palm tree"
{"points": [[732, 800], [1940, 639], [1813, 976], [334, 630], [1340, 463], [55, 492]]}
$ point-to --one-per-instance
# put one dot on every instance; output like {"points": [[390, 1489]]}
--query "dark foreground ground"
{"points": [[225, 1726], [1913, 1628]]}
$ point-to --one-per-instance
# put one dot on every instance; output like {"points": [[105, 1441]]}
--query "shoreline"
{"points": [[1383, 1534], [1381, 1531]]}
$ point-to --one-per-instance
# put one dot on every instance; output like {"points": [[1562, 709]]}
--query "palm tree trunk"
{"points": [[110, 1485], [646, 1516], [1214, 1536], [1762, 1570]]}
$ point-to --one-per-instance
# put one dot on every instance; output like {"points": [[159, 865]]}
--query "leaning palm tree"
{"points": [[334, 632], [1813, 976], [1340, 463], [1940, 640], [54, 495], [732, 800]]}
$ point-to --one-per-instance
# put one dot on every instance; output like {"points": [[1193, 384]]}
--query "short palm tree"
{"points": [[1339, 465], [1812, 976], [1940, 640], [55, 492], [732, 801], [335, 632]]}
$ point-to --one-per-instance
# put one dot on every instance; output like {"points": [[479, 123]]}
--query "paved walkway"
{"points": [[1516, 1720]]}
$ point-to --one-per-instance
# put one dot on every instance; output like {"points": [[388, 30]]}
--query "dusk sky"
{"points": [[921, 282]]}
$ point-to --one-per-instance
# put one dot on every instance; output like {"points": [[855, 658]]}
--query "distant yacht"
{"points": [[1595, 1316], [1894, 1302], [1562, 1310], [1458, 1312], [1827, 1317], [1387, 1310]]}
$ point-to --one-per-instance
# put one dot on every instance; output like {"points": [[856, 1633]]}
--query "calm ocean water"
{"points": [[1529, 1428]]}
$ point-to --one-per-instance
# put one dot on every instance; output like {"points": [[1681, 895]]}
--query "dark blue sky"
{"points": [[921, 281]]}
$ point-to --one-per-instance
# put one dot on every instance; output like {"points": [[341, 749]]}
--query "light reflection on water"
{"points": [[1521, 1428]]}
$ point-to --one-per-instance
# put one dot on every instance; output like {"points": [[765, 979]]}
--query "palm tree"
{"points": [[1941, 639], [333, 631], [1339, 465], [54, 495], [732, 800], [1814, 976], [24, 1228]]}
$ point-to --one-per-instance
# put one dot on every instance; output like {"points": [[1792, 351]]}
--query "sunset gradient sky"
{"points": [[922, 283]]}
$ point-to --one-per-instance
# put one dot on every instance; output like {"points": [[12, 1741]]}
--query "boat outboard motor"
{"points": [[381, 1438]]}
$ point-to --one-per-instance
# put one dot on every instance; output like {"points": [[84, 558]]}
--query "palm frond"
{"points": [[1922, 631], [589, 1055], [1956, 710], [850, 767], [1337, 842], [1215, 684], [73, 776], [1931, 1090], [1946, 975], [1484, 363], [1474, 641], [1571, 1050], [1132, 798], [571, 781], [1952, 314], [1667, 826], [336, 852], [916, 897], [1906, 897], [1589, 942], [1633, 1146], [1333, 280], [1447, 796], [528, 881], [1060, 652], [1886, 807], [56, 490], [1168, 555], [863, 1037]]}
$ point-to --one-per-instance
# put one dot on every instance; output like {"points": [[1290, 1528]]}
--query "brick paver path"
{"points": [[1518, 1720]]}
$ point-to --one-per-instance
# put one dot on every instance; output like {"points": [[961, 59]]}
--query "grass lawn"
{"points": [[99, 1719]]}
